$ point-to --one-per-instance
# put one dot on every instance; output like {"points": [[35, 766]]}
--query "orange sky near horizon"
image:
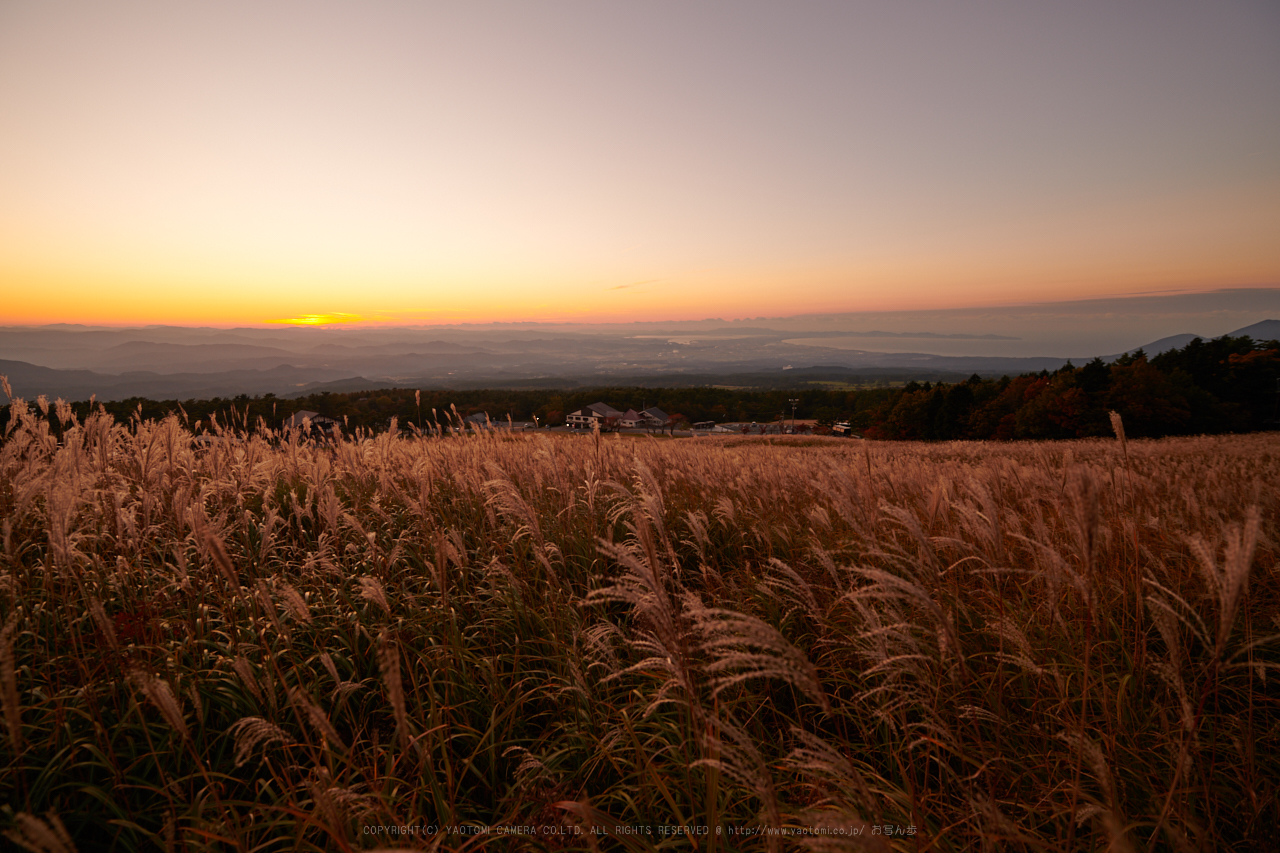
{"points": [[398, 163]]}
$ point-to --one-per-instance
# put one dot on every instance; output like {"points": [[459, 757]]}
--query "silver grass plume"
{"points": [[827, 768], [791, 585], [886, 585], [371, 590], [742, 648], [1112, 819], [1231, 580], [317, 717], [742, 763], [160, 694], [530, 771], [504, 496], [389, 664], [244, 670], [251, 732], [37, 835], [661, 642], [294, 603]]}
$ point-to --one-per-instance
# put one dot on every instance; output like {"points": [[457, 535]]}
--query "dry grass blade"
{"points": [[9, 685], [709, 597]]}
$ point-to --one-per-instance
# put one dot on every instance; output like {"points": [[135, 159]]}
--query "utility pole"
{"points": [[794, 402]]}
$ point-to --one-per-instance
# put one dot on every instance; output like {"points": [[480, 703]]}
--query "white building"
{"points": [[600, 415]]}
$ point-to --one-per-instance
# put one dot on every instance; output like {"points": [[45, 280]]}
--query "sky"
{"points": [[239, 163]]}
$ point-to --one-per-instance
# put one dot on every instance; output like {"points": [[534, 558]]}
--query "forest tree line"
{"points": [[1216, 386], [1209, 386]]}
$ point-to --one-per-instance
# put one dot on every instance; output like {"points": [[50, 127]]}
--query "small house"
{"points": [[654, 418], [317, 422]]}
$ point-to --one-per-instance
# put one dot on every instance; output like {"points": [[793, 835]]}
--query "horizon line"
{"points": [[308, 321]]}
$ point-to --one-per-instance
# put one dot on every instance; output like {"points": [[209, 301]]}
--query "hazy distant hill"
{"points": [[1157, 347], [29, 381], [1267, 330], [166, 362]]}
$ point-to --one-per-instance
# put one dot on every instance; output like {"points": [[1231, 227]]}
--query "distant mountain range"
{"points": [[1267, 330], [165, 362]]}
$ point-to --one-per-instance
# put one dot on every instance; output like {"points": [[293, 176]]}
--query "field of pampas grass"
{"points": [[530, 642]]}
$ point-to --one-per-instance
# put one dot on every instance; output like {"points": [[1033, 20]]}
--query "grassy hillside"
{"points": [[572, 643]]}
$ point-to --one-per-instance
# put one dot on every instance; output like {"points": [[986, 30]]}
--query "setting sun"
{"points": [[319, 319]]}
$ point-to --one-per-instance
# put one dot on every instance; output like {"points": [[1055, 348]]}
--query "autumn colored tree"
{"points": [[1150, 404]]}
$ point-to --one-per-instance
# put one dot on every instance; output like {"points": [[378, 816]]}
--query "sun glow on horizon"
{"points": [[319, 319]]}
